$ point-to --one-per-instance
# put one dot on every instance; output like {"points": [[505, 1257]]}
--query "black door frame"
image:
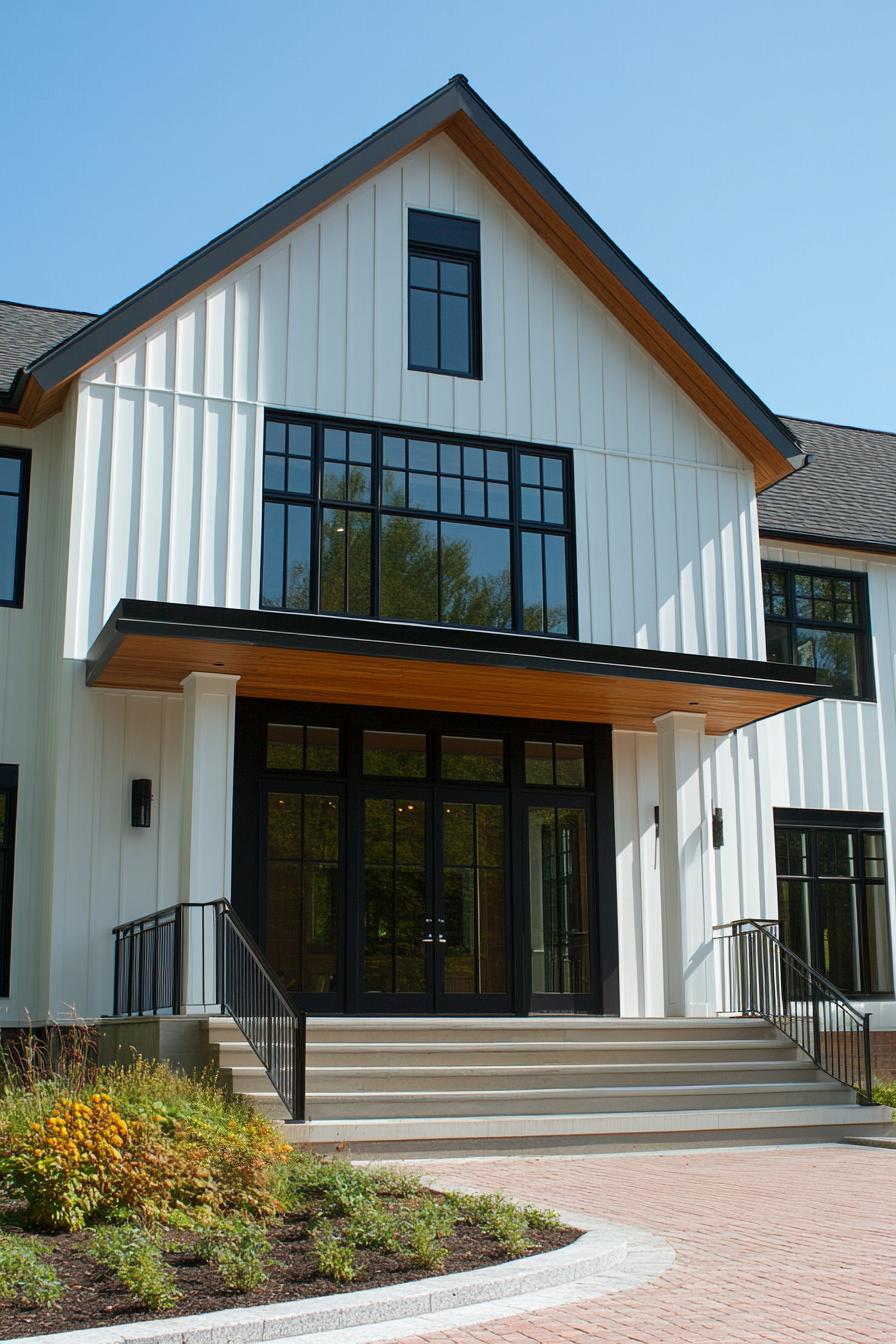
{"points": [[251, 775]]}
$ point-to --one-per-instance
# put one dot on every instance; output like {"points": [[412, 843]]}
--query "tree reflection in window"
{"points": [[417, 529]]}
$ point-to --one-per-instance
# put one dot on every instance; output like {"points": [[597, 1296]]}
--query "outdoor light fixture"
{"points": [[718, 829], [141, 802], [656, 821]]}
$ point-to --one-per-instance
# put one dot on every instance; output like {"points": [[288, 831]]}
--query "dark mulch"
{"points": [[93, 1296]]}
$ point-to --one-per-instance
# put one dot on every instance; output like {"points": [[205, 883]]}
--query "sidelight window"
{"points": [[374, 522]]}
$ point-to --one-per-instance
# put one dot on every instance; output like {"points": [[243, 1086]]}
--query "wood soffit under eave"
{"points": [[769, 466]]}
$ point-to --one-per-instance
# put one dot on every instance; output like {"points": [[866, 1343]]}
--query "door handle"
{"points": [[442, 937], [427, 930]]}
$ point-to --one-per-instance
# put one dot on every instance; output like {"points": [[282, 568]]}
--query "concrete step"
{"points": [[583, 1133], [420, 1054], [550, 1028], [249, 1074], [572, 1100]]}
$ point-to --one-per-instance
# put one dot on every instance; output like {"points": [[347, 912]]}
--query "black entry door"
{"points": [[434, 908], [563, 949]]}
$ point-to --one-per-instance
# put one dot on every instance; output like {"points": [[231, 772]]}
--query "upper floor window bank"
{"points": [[14, 478], [364, 520], [444, 306], [819, 618]]}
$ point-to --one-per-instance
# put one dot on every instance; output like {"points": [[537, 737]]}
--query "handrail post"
{"points": [[298, 1069], [816, 1025], [868, 1098], [740, 943], [179, 962]]}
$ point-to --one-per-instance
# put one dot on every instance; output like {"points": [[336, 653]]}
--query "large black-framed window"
{"points": [[444, 303], [15, 475], [374, 520], [9, 783], [819, 618], [832, 896]]}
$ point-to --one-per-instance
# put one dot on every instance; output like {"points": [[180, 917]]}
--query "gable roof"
{"points": [[845, 495], [534, 192], [27, 333]]}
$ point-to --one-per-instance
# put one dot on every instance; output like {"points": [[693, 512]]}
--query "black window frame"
{"points": [[377, 509], [452, 238], [859, 824], [861, 628], [9, 785], [23, 456]]}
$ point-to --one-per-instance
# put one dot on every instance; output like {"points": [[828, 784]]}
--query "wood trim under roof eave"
{"points": [[768, 464]]}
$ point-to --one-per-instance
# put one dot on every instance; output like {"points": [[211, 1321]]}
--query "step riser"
{"points": [[374, 1108], [553, 1145], [361, 1082], [486, 1034], [534, 1056]]}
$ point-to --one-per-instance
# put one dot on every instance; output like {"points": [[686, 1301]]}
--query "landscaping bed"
{"points": [[129, 1194]]}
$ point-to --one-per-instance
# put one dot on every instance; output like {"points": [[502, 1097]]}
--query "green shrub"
{"points": [[885, 1094], [426, 1230], [375, 1227], [25, 1276], [394, 1183], [334, 1255], [332, 1187], [497, 1217], [135, 1257], [239, 1250], [540, 1220]]}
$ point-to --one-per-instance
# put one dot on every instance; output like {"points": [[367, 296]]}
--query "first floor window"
{"points": [[361, 520], [819, 618], [832, 896], [9, 779], [14, 478]]}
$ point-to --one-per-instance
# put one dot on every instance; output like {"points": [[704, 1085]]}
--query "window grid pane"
{"points": [[13, 479], [818, 620], [367, 522]]}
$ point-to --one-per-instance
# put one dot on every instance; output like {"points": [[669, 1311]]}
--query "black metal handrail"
{"points": [[762, 977], [201, 957]]}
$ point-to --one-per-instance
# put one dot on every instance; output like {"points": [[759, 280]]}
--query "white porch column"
{"points": [[685, 871], [209, 719]]}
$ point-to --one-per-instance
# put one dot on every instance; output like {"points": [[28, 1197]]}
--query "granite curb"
{"points": [[600, 1249]]}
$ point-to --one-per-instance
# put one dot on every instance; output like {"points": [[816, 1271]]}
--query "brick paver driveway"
{"points": [[791, 1245]]}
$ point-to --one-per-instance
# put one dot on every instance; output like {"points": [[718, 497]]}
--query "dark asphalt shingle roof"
{"points": [[846, 494], [26, 333]]}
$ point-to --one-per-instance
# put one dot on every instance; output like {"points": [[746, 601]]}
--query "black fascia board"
{"points": [[229, 248], [827, 539], [387, 639]]}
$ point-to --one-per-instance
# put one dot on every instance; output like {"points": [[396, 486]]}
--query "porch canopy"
{"points": [[153, 646]]}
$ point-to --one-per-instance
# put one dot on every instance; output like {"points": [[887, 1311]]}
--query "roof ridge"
{"points": [[42, 308], [837, 424]]}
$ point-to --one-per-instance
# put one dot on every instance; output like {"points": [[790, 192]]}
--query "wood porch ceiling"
{"points": [[153, 646]]}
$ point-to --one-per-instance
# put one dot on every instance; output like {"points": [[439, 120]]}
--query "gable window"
{"points": [[9, 779], [819, 618], [14, 478], [832, 896], [444, 307], [363, 520]]}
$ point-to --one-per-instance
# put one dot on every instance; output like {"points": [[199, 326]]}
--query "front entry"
{"points": [[434, 921], [456, 866]]}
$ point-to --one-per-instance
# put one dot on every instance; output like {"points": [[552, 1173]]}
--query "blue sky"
{"points": [[740, 151]]}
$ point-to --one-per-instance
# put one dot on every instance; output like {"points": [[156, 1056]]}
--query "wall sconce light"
{"points": [[141, 802], [718, 828], [656, 821]]}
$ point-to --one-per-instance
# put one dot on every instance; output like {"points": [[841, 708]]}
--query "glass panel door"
{"points": [[471, 917], [397, 926], [302, 834], [559, 905]]}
